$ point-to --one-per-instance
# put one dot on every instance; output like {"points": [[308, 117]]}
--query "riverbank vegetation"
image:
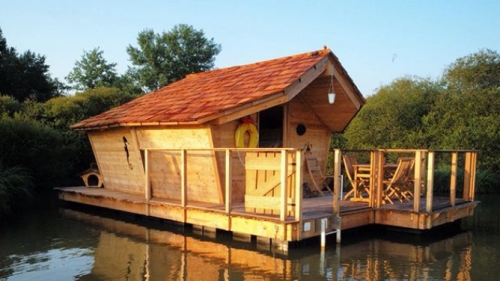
{"points": [[459, 110], [38, 151]]}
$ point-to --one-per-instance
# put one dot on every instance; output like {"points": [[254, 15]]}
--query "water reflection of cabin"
{"points": [[172, 153]]}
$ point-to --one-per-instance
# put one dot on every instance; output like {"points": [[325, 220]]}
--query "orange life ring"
{"points": [[239, 135]]}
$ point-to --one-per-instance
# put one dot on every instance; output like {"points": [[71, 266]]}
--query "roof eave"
{"points": [[135, 124]]}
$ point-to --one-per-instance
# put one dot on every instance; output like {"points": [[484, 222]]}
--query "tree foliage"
{"points": [[163, 58], [459, 111], [9, 106], [16, 185], [25, 76], [35, 147], [393, 117], [36, 136], [467, 114], [92, 71]]}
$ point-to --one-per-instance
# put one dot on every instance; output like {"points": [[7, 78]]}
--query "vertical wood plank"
{"points": [[298, 187], [430, 181], [453, 178], [337, 166], [376, 178], [286, 122], [467, 176], [473, 175], [283, 194], [183, 178], [147, 184], [228, 182], [417, 181]]}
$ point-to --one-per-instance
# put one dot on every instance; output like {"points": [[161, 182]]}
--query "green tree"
{"points": [[35, 147], [92, 71], [393, 116], [25, 76], [467, 114], [8, 106], [164, 58], [16, 185]]}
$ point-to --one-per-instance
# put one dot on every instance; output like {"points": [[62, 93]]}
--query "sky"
{"points": [[376, 41]]}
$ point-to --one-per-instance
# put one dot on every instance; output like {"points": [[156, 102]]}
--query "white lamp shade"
{"points": [[331, 97]]}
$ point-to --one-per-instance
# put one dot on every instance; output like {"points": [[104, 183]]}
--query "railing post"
{"points": [[417, 181], [453, 178], [147, 184], [467, 176], [473, 174], [430, 181], [376, 178], [283, 176], [298, 186], [228, 182], [183, 182], [337, 165]]}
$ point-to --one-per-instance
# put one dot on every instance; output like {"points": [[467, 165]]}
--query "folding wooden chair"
{"points": [[317, 175], [359, 184], [398, 184]]}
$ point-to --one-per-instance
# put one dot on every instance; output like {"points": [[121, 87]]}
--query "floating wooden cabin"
{"points": [[181, 153]]}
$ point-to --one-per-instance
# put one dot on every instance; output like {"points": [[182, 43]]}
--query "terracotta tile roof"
{"points": [[201, 95]]}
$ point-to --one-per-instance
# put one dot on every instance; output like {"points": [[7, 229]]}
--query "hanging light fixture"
{"points": [[331, 92]]}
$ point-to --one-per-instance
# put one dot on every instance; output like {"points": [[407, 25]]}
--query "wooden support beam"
{"points": [[337, 166], [147, 183], [453, 178], [183, 178], [307, 78], [473, 174], [418, 180], [298, 187], [283, 176], [376, 178], [467, 176], [247, 109], [347, 87], [228, 183], [286, 125], [430, 181]]}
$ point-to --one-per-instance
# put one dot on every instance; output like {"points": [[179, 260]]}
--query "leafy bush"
{"points": [[486, 181], [16, 187], [35, 147]]}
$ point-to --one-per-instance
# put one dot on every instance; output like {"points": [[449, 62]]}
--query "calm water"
{"points": [[61, 243]]}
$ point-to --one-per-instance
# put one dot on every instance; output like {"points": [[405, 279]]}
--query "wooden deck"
{"points": [[268, 228], [271, 206]]}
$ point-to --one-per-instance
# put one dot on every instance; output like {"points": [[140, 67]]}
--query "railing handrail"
{"points": [[224, 149], [408, 150]]}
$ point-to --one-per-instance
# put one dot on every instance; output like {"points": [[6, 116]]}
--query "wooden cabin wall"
{"points": [[317, 135], [223, 136], [118, 161], [165, 167]]}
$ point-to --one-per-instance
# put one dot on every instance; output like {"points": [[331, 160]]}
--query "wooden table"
{"points": [[362, 177]]}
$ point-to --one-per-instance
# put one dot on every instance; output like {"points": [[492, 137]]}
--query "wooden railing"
{"points": [[288, 203], [423, 173], [220, 177]]}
